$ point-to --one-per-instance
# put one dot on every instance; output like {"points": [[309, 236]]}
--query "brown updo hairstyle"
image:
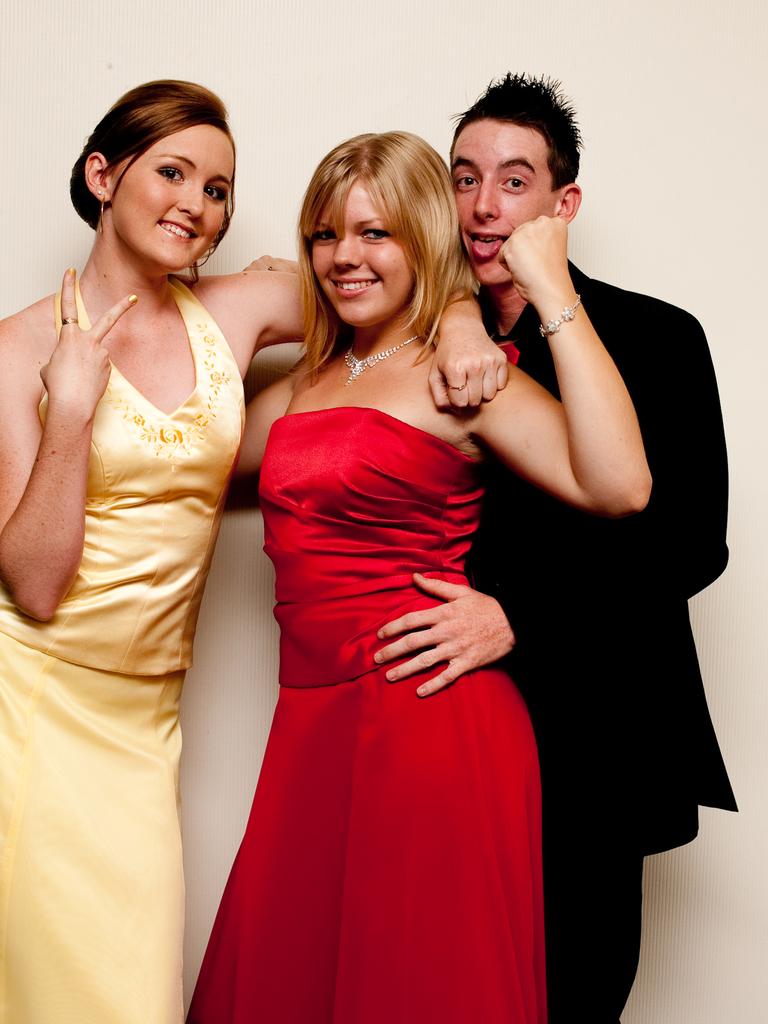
{"points": [[138, 120]]}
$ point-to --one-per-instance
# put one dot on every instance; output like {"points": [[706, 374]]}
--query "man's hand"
{"points": [[467, 368], [536, 255], [469, 631], [272, 263]]}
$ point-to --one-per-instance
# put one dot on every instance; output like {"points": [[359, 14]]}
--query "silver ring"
{"points": [[69, 320], [456, 387]]}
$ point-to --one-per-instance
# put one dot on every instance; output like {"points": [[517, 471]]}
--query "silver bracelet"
{"points": [[553, 326]]}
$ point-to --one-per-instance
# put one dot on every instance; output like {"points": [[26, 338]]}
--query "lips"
{"points": [[486, 247], [176, 230], [353, 288]]}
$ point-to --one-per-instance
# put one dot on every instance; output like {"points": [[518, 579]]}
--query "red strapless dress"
{"points": [[390, 870]]}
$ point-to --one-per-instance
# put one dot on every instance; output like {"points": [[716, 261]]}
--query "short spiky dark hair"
{"points": [[534, 103]]}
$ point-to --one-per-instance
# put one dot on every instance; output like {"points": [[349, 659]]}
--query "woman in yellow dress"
{"points": [[112, 477], [121, 411]]}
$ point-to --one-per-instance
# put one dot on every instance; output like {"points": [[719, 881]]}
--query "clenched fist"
{"points": [[536, 255]]}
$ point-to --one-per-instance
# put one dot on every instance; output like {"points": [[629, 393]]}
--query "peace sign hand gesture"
{"points": [[77, 373]]}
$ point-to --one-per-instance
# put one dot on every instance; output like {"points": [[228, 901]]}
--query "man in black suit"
{"points": [[594, 611]]}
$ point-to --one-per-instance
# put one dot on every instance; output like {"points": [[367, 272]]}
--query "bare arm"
{"points": [[587, 450], [254, 310], [268, 406], [43, 470]]}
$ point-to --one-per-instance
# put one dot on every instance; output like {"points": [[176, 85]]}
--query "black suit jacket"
{"points": [[605, 655]]}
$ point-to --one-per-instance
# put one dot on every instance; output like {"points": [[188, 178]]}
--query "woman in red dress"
{"points": [[390, 870]]}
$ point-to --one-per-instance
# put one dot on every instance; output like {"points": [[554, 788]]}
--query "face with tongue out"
{"points": [[501, 179]]}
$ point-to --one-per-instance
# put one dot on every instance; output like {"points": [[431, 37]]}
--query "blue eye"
{"points": [[375, 234], [323, 236]]}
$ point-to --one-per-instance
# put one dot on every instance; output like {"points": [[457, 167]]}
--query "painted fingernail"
{"points": [[133, 298]]}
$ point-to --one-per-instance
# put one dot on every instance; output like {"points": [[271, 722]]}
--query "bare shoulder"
{"points": [[268, 406], [34, 326], [27, 339]]}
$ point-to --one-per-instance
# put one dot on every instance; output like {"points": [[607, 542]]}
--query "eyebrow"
{"points": [[517, 161], [190, 163], [358, 223]]}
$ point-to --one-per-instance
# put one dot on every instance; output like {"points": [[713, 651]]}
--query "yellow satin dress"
{"points": [[91, 878]]}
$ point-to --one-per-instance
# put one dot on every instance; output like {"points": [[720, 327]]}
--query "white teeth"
{"points": [[352, 286], [174, 229]]}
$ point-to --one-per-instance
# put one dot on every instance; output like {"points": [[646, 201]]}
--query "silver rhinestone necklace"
{"points": [[357, 366]]}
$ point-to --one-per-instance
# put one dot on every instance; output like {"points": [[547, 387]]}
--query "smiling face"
{"points": [[168, 206], [362, 269], [501, 179]]}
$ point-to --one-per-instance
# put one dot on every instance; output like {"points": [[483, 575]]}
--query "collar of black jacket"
{"points": [[526, 329]]}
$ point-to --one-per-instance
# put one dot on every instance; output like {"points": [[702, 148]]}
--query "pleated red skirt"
{"points": [[390, 871]]}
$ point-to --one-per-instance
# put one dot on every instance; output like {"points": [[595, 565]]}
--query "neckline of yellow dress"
{"points": [[184, 298], [175, 436]]}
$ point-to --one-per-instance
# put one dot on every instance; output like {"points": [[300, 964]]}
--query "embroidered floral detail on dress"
{"points": [[167, 438]]}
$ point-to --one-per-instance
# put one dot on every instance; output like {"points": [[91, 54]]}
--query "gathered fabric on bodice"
{"points": [[390, 870], [156, 485], [355, 501]]}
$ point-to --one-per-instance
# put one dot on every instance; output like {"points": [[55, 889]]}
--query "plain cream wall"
{"points": [[671, 101]]}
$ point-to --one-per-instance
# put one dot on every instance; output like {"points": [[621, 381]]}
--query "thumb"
{"points": [[439, 588]]}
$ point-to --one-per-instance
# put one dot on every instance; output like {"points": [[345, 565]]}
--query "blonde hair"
{"points": [[410, 184]]}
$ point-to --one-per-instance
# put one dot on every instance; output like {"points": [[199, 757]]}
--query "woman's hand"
{"points": [[77, 373], [44, 468], [467, 368], [272, 263]]}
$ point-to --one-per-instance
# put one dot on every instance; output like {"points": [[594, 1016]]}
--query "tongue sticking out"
{"points": [[486, 248]]}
